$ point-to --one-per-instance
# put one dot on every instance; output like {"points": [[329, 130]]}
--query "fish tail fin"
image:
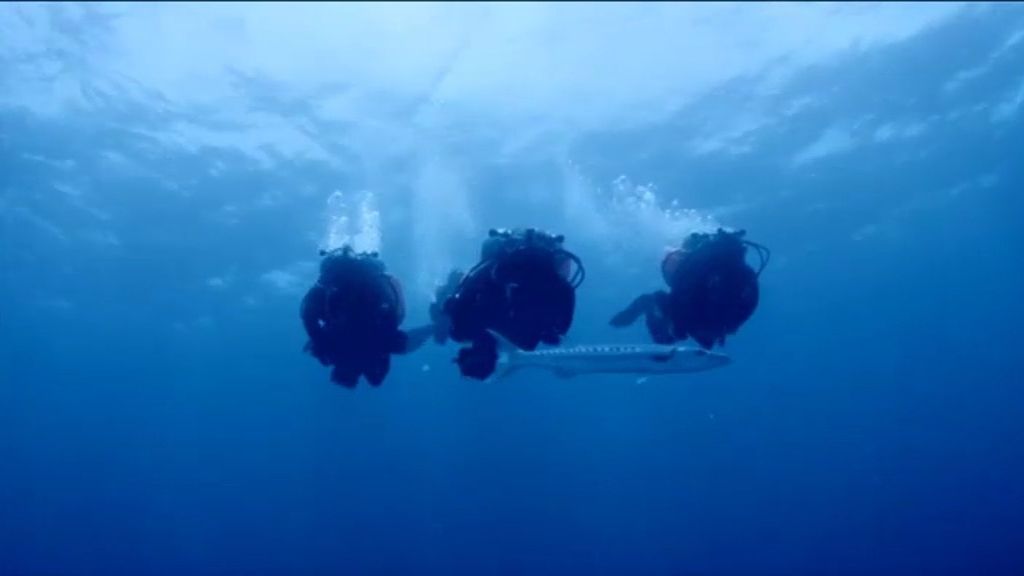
{"points": [[508, 355], [505, 368]]}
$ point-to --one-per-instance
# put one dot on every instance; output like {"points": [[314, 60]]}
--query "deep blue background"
{"points": [[872, 422]]}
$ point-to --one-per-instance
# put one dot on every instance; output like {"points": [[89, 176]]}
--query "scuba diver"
{"points": [[352, 315], [523, 289], [712, 290]]}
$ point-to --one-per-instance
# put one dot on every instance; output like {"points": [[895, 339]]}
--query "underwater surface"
{"points": [[169, 171]]}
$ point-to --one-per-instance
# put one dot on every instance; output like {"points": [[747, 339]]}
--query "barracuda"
{"points": [[636, 359]]}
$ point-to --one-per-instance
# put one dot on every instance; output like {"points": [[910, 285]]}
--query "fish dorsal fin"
{"points": [[664, 356]]}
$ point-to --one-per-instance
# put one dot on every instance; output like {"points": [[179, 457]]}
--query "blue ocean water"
{"points": [[168, 172]]}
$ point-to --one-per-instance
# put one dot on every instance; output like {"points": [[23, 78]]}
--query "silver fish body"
{"points": [[636, 359]]}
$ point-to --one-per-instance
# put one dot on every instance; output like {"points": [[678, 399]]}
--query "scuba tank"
{"points": [[502, 241], [502, 244], [700, 248], [352, 280], [341, 263], [457, 308]]}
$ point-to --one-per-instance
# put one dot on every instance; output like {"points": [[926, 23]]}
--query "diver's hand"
{"points": [[416, 337], [642, 305], [622, 319]]}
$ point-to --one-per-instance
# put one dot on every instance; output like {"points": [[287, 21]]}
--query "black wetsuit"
{"points": [[352, 317], [713, 291], [522, 295], [712, 297]]}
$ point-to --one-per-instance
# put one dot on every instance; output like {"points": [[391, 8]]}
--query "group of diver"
{"points": [[523, 289]]}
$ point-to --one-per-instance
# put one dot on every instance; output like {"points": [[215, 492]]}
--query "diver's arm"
{"points": [[639, 307], [439, 315], [469, 310], [415, 338], [659, 323]]}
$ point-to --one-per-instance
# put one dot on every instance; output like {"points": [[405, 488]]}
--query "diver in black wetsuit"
{"points": [[352, 317], [523, 288], [712, 291]]}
